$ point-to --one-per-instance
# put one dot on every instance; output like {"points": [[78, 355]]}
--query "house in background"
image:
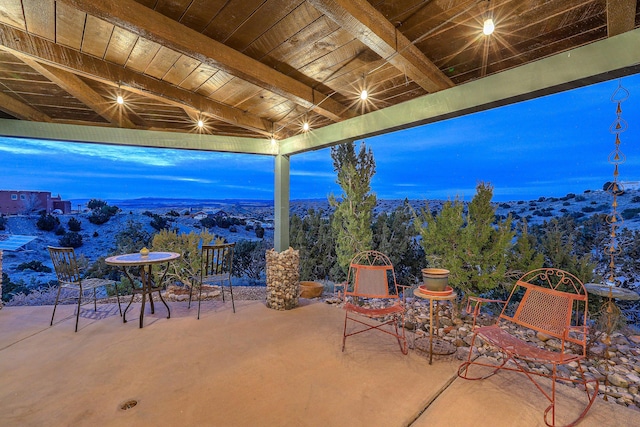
{"points": [[14, 202]]}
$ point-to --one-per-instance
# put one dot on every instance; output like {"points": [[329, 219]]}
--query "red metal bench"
{"points": [[550, 301]]}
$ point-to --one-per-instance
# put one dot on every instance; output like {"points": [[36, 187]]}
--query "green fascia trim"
{"points": [[135, 137], [589, 64]]}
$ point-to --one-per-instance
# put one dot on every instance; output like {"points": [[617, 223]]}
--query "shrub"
{"points": [[95, 204], [148, 213], [103, 214], [3, 222], [9, 288], [47, 222], [159, 223], [580, 198], [233, 229], [566, 204], [71, 239], [60, 231], [173, 213], [208, 222], [630, 213], [588, 209], [74, 224], [132, 238], [259, 232], [249, 259], [95, 234], [36, 266], [635, 199], [186, 268]]}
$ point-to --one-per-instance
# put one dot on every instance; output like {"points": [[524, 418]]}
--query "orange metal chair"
{"points": [[371, 280], [550, 301]]}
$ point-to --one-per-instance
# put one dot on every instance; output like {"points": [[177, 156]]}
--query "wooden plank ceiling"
{"points": [[260, 68]]}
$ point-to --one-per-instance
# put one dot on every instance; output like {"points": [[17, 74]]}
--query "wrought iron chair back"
{"points": [[69, 276], [371, 276], [65, 265], [553, 302], [216, 268]]}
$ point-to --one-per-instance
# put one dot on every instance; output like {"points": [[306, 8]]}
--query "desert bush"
{"points": [[132, 238], [148, 213], [71, 239], [60, 231], [74, 224], [95, 234], [94, 204], [9, 288], [159, 222], [233, 229], [588, 209], [47, 222], [635, 199], [36, 266], [630, 213], [3, 222], [580, 198], [173, 213], [566, 204], [259, 232], [101, 212], [249, 259], [185, 269], [208, 222]]}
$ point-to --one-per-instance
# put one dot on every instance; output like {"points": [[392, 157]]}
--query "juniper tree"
{"points": [[524, 256], [352, 217], [473, 247], [393, 234], [313, 237]]}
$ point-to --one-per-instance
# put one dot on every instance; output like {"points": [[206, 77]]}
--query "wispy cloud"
{"points": [[314, 174], [116, 153]]}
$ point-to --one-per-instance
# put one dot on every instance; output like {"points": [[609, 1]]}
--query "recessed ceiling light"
{"points": [[273, 141], [120, 100], [305, 126], [488, 26], [364, 94], [200, 123]]}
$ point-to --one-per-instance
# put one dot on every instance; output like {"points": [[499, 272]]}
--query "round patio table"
{"points": [[146, 263]]}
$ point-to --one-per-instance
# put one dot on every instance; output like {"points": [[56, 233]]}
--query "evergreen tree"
{"points": [[393, 234], [524, 256], [352, 217], [471, 246], [312, 236]]}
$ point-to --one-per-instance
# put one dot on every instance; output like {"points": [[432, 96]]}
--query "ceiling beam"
{"points": [[370, 26], [135, 137], [589, 64], [19, 42], [21, 110], [81, 91], [156, 27], [621, 16]]}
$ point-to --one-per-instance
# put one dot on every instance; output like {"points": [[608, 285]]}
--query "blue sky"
{"points": [[550, 146]]}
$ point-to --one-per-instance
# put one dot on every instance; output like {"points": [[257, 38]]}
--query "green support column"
{"points": [[281, 208]]}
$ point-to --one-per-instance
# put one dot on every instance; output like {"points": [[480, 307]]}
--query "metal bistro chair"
{"points": [[371, 277], [550, 301], [69, 277], [217, 263]]}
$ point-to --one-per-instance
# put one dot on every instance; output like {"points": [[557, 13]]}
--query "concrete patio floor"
{"points": [[257, 367]]}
